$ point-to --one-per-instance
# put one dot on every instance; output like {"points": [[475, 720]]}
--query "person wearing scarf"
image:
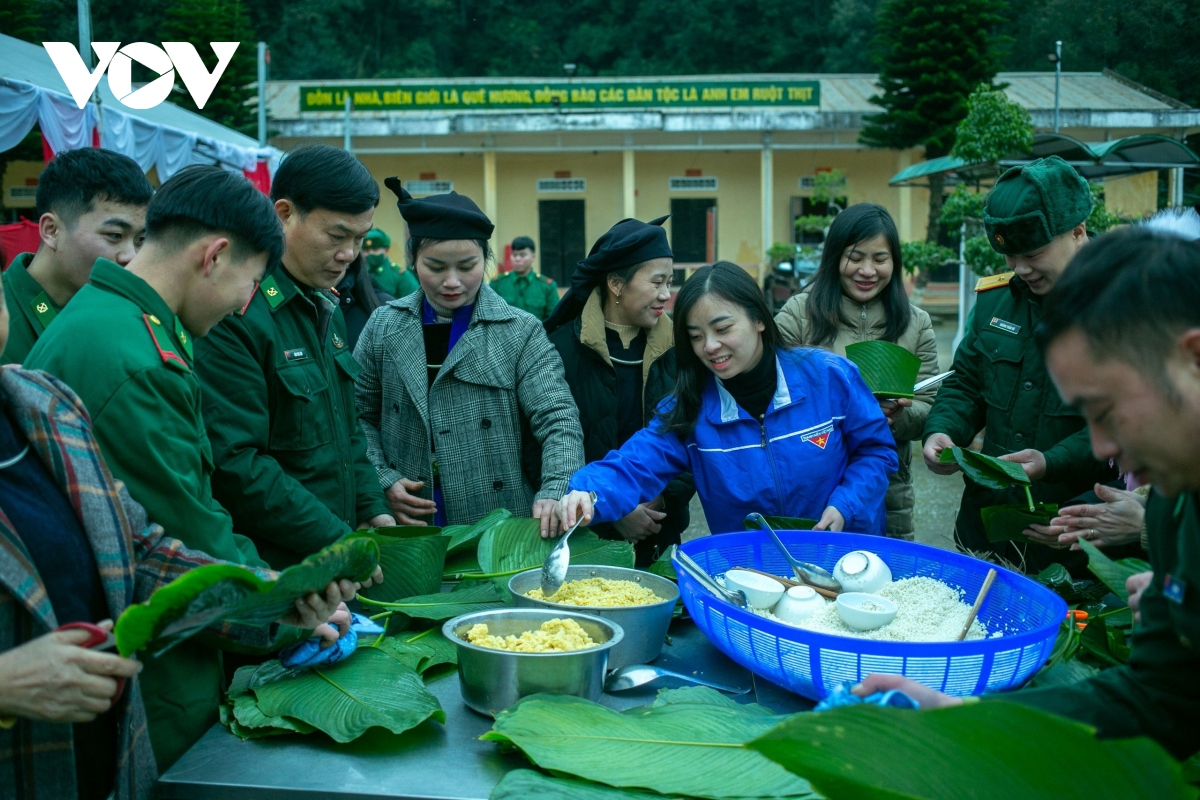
{"points": [[618, 350], [452, 375]]}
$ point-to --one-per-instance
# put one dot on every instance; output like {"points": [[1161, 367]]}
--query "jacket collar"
{"points": [[489, 306], [116, 279], [591, 332], [34, 302], [728, 410]]}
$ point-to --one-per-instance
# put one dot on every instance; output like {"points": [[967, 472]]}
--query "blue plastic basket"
{"points": [[812, 664]]}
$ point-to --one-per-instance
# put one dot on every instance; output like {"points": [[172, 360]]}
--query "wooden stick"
{"points": [[789, 583], [983, 591]]}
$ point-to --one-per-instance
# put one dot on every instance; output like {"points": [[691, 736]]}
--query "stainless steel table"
{"points": [[430, 762]]}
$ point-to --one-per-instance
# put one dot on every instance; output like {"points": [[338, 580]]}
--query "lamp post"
{"points": [[1056, 60], [264, 58], [346, 124]]}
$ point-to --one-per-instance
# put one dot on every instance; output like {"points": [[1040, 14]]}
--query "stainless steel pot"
{"points": [[645, 626], [492, 680]]}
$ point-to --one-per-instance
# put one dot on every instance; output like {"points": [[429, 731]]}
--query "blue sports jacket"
{"points": [[823, 442]]}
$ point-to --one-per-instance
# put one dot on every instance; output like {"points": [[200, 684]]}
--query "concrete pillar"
{"points": [[489, 184], [1175, 187], [767, 211], [629, 209]]}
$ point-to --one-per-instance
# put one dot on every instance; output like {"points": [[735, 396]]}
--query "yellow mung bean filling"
{"points": [[555, 636], [599, 593]]}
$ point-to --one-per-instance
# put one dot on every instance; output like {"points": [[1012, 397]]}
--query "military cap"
{"points": [[441, 216], [625, 244], [1033, 203], [376, 238]]}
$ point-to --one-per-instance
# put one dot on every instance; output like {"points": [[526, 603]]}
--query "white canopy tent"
{"points": [[165, 137]]}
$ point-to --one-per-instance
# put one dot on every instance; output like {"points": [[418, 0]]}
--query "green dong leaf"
{"points": [[1006, 523], [412, 558], [468, 597], [987, 471], [1112, 573], [525, 784], [463, 538], [988, 751], [516, 545], [888, 369], [687, 743], [226, 592]]}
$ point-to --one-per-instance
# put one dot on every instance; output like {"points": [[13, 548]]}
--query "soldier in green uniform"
{"points": [[392, 278], [125, 345], [524, 288], [278, 380], [91, 204], [1035, 217], [1121, 337]]}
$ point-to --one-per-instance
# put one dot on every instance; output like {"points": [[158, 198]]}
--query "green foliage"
{"points": [[201, 22], [464, 538], [981, 258], [468, 597], [988, 471], [1101, 220], [779, 252], [812, 223], [993, 128], [962, 205], [923, 256], [372, 688], [1006, 523], [516, 545], [987, 751], [931, 57], [412, 558], [888, 369], [227, 592], [688, 743], [1112, 573], [828, 186], [526, 784], [19, 19]]}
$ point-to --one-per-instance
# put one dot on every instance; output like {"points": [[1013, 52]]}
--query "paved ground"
{"points": [[937, 495]]}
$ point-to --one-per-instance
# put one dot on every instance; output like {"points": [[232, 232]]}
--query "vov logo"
{"points": [[165, 60]]}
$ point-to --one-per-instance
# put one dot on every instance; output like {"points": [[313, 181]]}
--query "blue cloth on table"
{"points": [[309, 652], [842, 696]]}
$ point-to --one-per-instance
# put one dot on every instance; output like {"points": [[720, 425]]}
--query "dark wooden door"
{"points": [[561, 227]]}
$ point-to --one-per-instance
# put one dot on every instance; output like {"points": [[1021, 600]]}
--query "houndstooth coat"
{"points": [[501, 373]]}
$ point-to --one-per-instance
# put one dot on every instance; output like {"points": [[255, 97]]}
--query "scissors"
{"points": [[100, 640]]}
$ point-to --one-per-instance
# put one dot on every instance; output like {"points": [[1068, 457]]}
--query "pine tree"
{"points": [[19, 19], [201, 22], [931, 57]]}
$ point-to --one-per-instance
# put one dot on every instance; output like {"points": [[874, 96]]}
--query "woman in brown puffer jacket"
{"points": [[858, 295]]}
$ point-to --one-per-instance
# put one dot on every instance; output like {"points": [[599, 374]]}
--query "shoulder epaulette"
{"points": [[548, 281], [162, 343], [990, 282]]}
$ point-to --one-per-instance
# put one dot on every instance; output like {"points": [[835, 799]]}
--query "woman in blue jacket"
{"points": [[761, 428]]}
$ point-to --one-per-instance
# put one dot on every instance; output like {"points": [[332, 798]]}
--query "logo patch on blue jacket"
{"points": [[819, 436]]}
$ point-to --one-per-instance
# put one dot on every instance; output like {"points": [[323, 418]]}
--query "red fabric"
{"points": [[48, 152], [19, 237], [260, 176]]}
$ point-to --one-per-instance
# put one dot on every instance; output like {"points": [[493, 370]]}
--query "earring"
{"points": [[618, 299]]}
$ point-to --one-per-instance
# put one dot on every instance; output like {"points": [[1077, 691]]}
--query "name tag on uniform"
{"points": [[1174, 588], [295, 355], [1005, 325]]}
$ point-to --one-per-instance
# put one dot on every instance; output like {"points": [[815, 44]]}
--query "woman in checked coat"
{"points": [[452, 375]]}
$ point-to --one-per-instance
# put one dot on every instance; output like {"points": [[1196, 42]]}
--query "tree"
{"points": [[994, 128], [201, 22], [931, 56], [19, 19]]}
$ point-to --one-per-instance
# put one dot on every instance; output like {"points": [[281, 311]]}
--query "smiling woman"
{"points": [[761, 428]]}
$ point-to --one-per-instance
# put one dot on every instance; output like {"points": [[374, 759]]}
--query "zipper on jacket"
{"points": [[863, 311], [762, 421]]}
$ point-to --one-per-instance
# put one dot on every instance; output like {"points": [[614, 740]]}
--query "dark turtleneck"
{"points": [[754, 388]]}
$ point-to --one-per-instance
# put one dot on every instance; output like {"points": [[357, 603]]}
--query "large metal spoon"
{"points": [[805, 572], [684, 561], [554, 568], [634, 675]]}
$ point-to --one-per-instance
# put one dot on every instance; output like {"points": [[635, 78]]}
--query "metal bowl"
{"points": [[645, 626], [492, 680]]}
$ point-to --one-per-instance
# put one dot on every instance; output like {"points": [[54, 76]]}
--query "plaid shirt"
{"points": [[134, 558]]}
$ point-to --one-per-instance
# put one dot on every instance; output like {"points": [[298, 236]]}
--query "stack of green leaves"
{"points": [[697, 743], [226, 592], [1002, 522], [888, 369], [380, 685]]}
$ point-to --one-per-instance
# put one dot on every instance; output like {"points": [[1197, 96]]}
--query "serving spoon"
{"points": [[684, 561], [554, 568], [634, 675], [805, 572]]}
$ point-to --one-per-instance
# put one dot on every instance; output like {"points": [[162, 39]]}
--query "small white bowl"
{"points": [[862, 571], [865, 612], [760, 591], [798, 604]]}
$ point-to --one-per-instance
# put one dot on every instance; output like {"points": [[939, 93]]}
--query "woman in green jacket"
{"points": [[858, 295]]}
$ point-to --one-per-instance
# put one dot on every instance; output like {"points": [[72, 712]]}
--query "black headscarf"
{"points": [[441, 216], [628, 242]]}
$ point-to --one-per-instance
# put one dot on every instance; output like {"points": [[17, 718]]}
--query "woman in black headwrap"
{"points": [[617, 346], [450, 373]]}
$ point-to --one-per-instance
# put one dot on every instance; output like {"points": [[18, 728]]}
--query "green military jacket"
{"points": [[395, 281], [1000, 386], [530, 292], [30, 310], [1156, 694], [278, 382], [128, 357]]}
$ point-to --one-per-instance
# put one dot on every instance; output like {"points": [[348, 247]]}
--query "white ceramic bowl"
{"points": [[760, 591], [798, 604], [865, 612], [862, 571]]}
